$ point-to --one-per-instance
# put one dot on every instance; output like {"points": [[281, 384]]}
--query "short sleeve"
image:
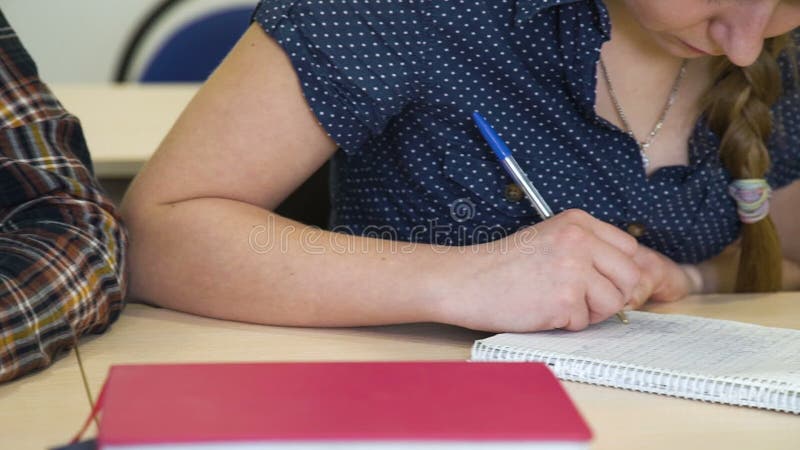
{"points": [[359, 63], [784, 145]]}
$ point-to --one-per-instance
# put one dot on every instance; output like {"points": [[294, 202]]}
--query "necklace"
{"points": [[644, 145]]}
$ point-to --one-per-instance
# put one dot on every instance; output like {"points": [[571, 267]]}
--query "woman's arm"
{"points": [[784, 206], [719, 273], [204, 239], [664, 280]]}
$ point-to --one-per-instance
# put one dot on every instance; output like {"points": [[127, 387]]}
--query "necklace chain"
{"points": [[644, 145]]}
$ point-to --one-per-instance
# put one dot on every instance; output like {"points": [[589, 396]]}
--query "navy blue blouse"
{"points": [[394, 82]]}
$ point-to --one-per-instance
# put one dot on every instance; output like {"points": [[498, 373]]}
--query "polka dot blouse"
{"points": [[394, 82]]}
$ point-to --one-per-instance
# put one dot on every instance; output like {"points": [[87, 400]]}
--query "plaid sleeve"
{"points": [[61, 242]]}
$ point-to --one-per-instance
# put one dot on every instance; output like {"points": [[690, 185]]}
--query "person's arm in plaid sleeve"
{"points": [[61, 242]]}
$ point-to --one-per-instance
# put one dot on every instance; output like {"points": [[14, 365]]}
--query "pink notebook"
{"points": [[338, 405]]}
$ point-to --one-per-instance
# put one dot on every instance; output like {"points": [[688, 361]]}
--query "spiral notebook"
{"points": [[683, 356]]}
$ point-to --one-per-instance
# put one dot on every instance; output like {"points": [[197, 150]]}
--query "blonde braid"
{"points": [[738, 110]]}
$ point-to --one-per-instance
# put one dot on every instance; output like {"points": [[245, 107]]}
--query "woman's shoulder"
{"points": [[353, 28], [784, 144], [789, 63], [360, 62], [339, 12]]}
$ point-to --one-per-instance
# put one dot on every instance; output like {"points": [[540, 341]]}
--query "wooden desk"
{"points": [[620, 419], [124, 123], [43, 409]]}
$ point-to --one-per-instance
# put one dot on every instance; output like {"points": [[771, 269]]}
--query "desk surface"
{"points": [[124, 123], [620, 419], [43, 409]]}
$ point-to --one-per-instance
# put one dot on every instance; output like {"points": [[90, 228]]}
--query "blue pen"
{"points": [[504, 155]]}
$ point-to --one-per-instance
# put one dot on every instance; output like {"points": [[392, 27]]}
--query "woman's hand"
{"points": [[567, 272], [662, 279]]}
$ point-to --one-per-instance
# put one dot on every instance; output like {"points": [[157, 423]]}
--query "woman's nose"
{"points": [[740, 29]]}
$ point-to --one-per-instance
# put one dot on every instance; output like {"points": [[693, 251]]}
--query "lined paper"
{"points": [[685, 356]]}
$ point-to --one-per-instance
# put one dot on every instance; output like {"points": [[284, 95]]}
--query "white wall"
{"points": [[75, 40]]}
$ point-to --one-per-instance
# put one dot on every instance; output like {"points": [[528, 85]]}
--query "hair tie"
{"points": [[752, 198]]}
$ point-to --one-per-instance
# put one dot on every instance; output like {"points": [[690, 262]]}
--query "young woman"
{"points": [[645, 124]]}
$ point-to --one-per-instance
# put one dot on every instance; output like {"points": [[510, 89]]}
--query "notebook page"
{"points": [[685, 344]]}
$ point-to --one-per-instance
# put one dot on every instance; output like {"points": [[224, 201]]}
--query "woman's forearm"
{"points": [[236, 261], [719, 273], [791, 275], [232, 260]]}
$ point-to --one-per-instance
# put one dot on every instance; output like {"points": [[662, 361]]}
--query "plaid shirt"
{"points": [[61, 242]]}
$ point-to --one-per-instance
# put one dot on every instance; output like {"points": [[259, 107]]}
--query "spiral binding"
{"points": [[743, 391]]}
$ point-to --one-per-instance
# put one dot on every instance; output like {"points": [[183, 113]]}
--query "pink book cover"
{"points": [[348, 401]]}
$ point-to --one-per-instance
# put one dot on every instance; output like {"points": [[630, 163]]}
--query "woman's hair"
{"points": [[738, 110]]}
